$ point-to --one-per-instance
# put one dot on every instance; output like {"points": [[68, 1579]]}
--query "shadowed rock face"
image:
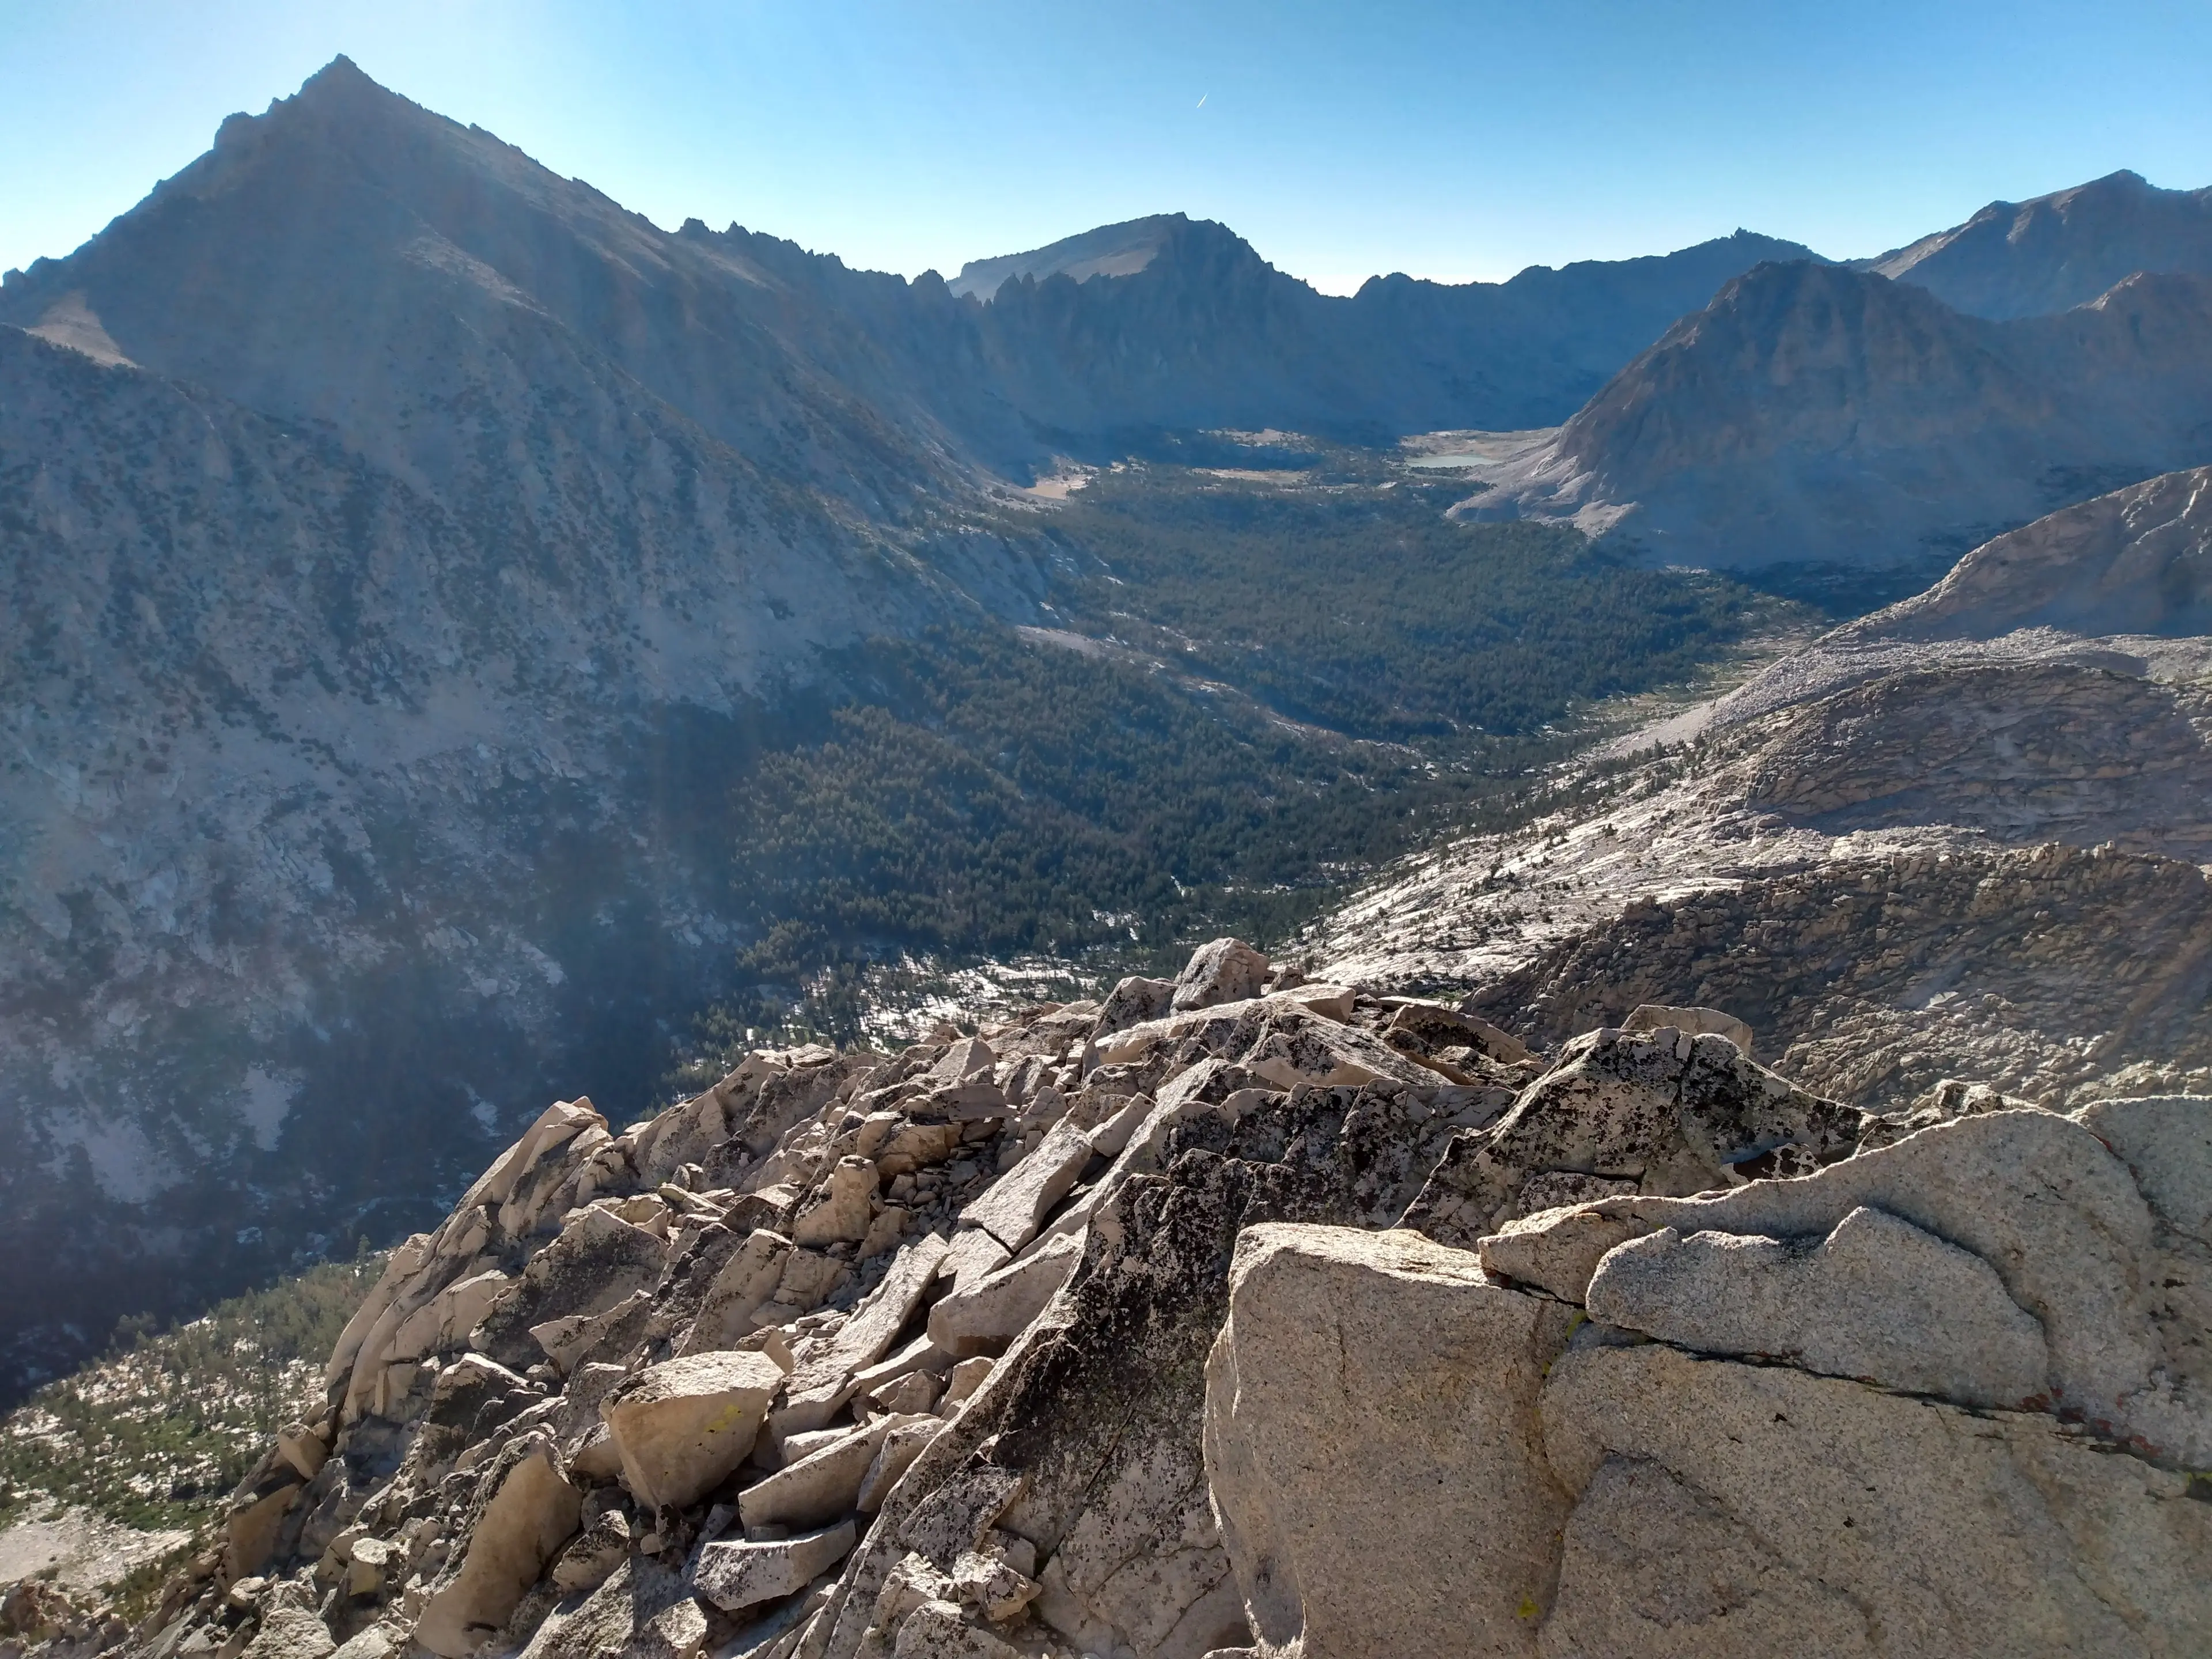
{"points": [[400, 541], [1121, 250], [1816, 412], [2026, 258]]}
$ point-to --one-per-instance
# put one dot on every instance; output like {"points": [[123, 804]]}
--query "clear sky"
{"points": [[1452, 141]]}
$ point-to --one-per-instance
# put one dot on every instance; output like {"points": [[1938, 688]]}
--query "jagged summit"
{"points": [[343, 84], [338, 107], [2026, 258]]}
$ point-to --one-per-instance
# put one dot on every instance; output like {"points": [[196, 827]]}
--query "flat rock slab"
{"points": [[819, 1487], [822, 1385], [1295, 1047], [1877, 1299], [530, 1514], [2035, 1195], [973, 1253], [738, 1575], [984, 1318], [744, 1285], [1018, 1202], [901, 1447], [1557, 1250]]}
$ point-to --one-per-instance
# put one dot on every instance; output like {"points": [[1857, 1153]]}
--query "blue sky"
{"points": [[1449, 141]]}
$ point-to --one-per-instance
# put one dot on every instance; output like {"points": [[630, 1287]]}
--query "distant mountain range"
{"points": [[402, 547], [2025, 259], [1816, 413], [1196, 329]]}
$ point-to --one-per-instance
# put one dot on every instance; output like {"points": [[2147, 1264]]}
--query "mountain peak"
{"points": [[2125, 178], [341, 72], [1120, 250], [2057, 252], [342, 90]]}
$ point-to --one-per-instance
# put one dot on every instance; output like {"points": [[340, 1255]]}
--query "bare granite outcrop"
{"points": [[1161, 1355]]}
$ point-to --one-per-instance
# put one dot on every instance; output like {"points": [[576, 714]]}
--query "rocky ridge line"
{"points": [[1241, 1314]]}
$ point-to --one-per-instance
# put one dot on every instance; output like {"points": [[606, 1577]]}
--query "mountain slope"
{"points": [[2001, 783], [313, 787], [1812, 412], [351, 258], [2026, 258], [405, 549]]}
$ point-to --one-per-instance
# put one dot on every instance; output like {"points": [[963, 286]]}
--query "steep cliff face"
{"points": [[1816, 413], [2057, 252]]}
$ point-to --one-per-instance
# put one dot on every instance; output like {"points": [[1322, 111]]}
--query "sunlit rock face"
{"points": [[1233, 1388], [1961, 838]]}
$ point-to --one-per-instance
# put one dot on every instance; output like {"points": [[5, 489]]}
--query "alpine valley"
{"points": [[467, 647]]}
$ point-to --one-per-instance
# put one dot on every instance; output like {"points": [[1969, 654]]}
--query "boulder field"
{"points": [[1240, 1315]]}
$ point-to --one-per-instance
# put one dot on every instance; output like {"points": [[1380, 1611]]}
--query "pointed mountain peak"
{"points": [[341, 91], [340, 72], [337, 98]]}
